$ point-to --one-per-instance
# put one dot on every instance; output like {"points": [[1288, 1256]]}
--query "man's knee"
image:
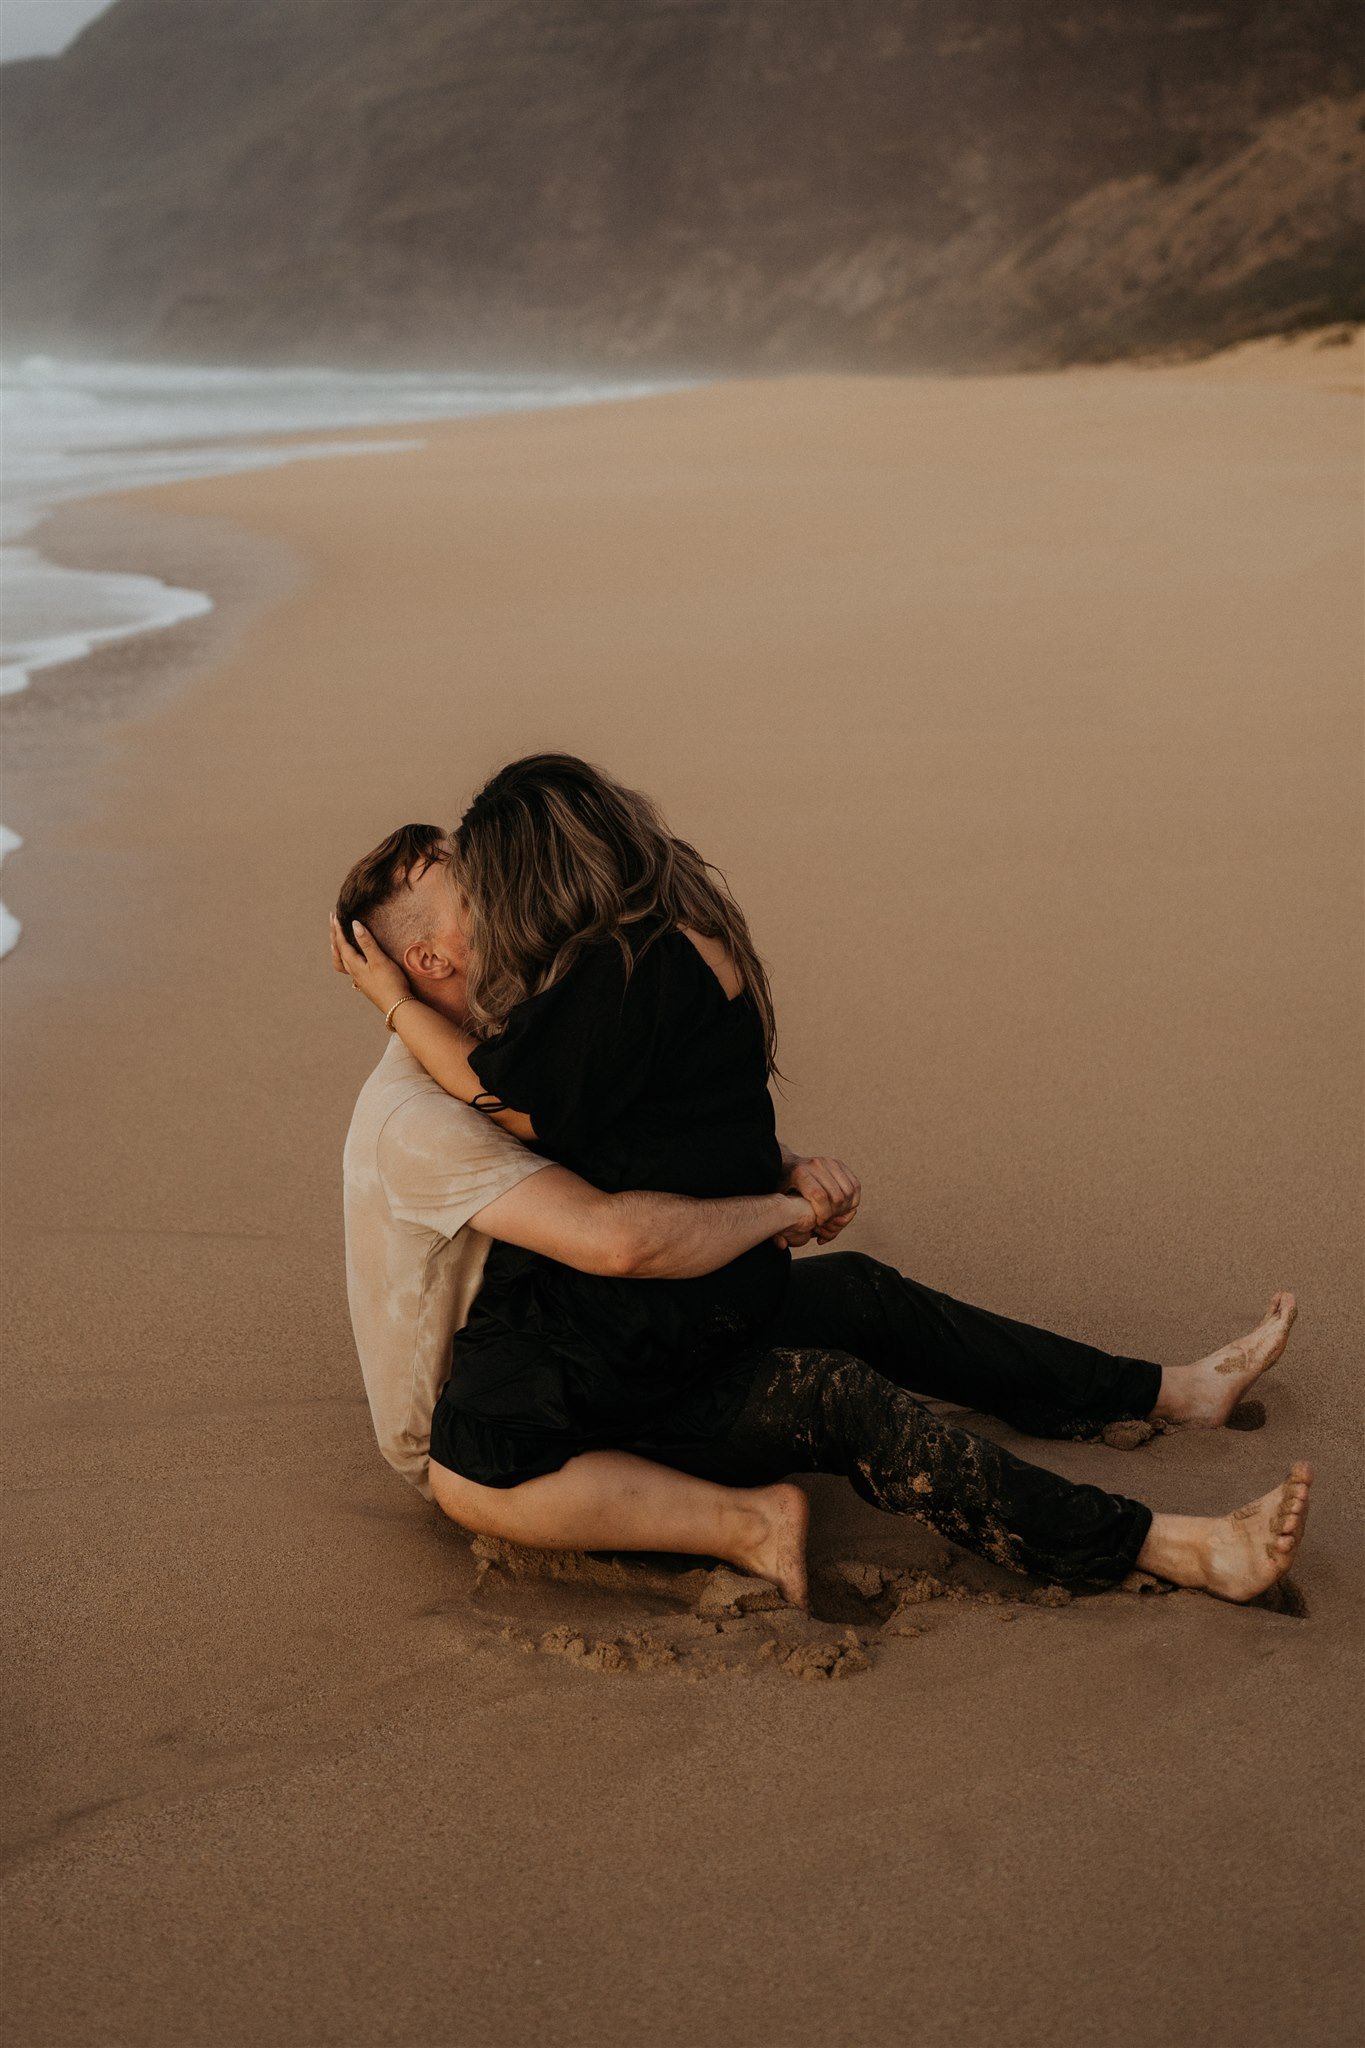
{"points": [[842, 1294], [873, 1276]]}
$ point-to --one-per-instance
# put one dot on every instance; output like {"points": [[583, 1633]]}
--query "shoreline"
{"points": [[230, 421], [135, 540], [1023, 718], [114, 674], [62, 727]]}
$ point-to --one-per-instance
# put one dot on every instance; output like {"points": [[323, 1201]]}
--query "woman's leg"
{"points": [[611, 1500], [825, 1411]]}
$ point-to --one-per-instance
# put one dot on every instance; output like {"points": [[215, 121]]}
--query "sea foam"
{"points": [[82, 429]]}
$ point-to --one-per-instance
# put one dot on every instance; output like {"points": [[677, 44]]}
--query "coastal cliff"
{"points": [[684, 183]]}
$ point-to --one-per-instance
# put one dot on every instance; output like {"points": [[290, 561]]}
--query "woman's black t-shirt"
{"points": [[650, 1079]]}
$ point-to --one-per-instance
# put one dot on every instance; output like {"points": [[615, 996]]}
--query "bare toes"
{"points": [[1283, 1309]]}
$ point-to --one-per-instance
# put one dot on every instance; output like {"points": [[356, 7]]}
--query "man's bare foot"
{"points": [[776, 1550], [1235, 1556], [1203, 1395]]}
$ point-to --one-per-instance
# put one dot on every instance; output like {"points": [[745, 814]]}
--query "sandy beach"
{"points": [[1024, 716]]}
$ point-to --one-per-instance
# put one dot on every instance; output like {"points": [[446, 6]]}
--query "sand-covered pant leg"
{"points": [[816, 1410], [931, 1344]]}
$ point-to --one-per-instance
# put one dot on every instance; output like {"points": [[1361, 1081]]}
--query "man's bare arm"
{"points": [[639, 1235]]}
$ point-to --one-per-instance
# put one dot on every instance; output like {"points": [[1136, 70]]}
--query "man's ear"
{"points": [[426, 961]]}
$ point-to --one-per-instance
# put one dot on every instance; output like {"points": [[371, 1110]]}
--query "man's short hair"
{"points": [[377, 891]]}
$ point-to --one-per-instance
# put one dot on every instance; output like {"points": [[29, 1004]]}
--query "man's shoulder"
{"points": [[432, 1156], [396, 1079], [399, 1101]]}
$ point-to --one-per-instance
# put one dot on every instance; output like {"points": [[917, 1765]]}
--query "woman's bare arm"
{"points": [[443, 1049], [440, 1044]]}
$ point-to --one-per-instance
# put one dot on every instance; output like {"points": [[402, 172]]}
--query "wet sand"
{"points": [[1024, 715]]}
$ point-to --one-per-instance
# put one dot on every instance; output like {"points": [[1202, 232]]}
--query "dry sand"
{"points": [[1024, 715]]}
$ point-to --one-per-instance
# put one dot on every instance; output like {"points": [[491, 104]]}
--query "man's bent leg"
{"points": [[611, 1500], [824, 1411], [929, 1342]]}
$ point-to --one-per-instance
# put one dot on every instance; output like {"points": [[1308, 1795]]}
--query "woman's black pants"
{"points": [[833, 1395]]}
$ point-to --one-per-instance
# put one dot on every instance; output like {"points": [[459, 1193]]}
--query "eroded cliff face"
{"points": [[747, 183]]}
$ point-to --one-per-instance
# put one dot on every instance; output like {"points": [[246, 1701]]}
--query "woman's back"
{"points": [[653, 1078]]}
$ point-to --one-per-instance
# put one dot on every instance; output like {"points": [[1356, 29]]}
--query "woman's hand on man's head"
{"points": [[832, 1189], [367, 966]]}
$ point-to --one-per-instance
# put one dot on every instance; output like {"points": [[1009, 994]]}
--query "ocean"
{"points": [[78, 429]]}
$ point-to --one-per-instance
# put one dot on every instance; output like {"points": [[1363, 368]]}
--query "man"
{"points": [[430, 1180]]}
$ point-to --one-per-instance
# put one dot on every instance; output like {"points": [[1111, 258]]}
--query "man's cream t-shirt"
{"points": [[418, 1165]]}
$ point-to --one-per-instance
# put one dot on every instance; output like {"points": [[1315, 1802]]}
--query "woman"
{"points": [[628, 1032], [627, 1029]]}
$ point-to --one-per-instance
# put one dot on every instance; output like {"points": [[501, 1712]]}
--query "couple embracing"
{"points": [[569, 1226]]}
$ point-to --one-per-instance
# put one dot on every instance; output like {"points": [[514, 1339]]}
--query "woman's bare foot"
{"points": [[773, 1546], [1203, 1395], [1235, 1556]]}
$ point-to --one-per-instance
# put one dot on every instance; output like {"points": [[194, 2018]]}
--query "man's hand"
{"points": [[832, 1190], [368, 966], [801, 1231]]}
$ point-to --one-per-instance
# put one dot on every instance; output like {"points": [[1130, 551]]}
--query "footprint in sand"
{"points": [[700, 1623], [691, 1621], [637, 1614]]}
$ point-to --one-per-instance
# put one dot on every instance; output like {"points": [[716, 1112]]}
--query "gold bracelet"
{"points": [[388, 1014]]}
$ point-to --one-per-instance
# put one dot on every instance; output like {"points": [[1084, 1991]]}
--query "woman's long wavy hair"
{"points": [[553, 855]]}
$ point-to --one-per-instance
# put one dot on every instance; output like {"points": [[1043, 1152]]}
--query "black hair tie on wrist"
{"points": [[487, 1104]]}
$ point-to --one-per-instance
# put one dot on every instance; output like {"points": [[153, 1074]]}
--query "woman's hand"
{"points": [[832, 1190], [368, 966]]}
